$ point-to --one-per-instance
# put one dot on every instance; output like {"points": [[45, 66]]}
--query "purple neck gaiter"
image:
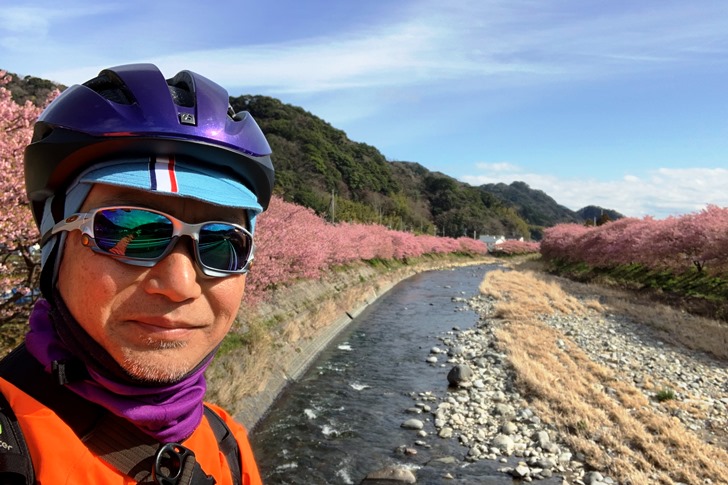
{"points": [[167, 412]]}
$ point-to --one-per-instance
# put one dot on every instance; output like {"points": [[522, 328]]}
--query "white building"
{"points": [[492, 241]]}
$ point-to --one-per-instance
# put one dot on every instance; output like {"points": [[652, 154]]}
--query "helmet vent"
{"points": [[182, 97], [181, 87], [110, 88]]}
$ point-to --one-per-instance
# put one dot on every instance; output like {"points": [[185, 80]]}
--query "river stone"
{"points": [[542, 438], [391, 474], [521, 471], [565, 458], [508, 428], [503, 443], [413, 424], [593, 478], [431, 359], [545, 463], [454, 351], [443, 460], [459, 374], [501, 409]]}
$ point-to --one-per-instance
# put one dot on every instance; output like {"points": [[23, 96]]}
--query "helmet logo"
{"points": [[187, 119]]}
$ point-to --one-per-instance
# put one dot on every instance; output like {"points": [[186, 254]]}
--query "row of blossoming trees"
{"points": [[696, 241], [292, 242], [513, 247]]}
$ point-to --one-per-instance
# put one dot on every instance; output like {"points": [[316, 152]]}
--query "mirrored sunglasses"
{"points": [[143, 237]]}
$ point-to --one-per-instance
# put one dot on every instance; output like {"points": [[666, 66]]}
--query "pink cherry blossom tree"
{"points": [[19, 261], [513, 247], [696, 241]]}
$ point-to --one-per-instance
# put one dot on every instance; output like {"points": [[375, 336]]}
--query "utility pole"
{"points": [[333, 206]]}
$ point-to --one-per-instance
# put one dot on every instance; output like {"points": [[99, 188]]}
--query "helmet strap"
{"points": [[49, 269]]}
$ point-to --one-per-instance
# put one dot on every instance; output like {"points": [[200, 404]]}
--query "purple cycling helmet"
{"points": [[132, 111]]}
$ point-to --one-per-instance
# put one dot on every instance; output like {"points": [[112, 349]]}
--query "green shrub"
{"points": [[665, 394]]}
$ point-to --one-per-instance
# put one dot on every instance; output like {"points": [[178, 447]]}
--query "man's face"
{"points": [[158, 323]]}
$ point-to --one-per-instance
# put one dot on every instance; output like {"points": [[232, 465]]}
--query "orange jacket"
{"points": [[60, 457]]}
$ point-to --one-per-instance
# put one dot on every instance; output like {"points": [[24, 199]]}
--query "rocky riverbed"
{"points": [[487, 415]]}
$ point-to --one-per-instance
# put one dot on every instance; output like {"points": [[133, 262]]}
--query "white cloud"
{"points": [[499, 167], [472, 45], [28, 40], [24, 20], [36, 20], [659, 193]]}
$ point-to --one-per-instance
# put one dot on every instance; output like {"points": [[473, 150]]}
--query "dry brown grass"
{"points": [[676, 326], [617, 431], [243, 371]]}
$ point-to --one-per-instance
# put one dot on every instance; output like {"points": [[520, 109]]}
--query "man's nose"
{"points": [[176, 275]]}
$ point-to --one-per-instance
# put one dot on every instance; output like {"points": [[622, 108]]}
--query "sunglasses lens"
{"points": [[132, 233], [224, 247]]}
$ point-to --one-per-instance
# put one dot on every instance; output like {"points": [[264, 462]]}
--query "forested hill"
{"points": [[30, 88], [597, 214], [533, 205], [318, 166]]}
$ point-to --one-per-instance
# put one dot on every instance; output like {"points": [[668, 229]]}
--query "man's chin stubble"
{"points": [[139, 366]]}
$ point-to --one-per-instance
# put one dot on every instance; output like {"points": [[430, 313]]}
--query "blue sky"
{"points": [[615, 103]]}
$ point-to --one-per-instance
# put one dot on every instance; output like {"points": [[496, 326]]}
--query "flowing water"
{"points": [[342, 419]]}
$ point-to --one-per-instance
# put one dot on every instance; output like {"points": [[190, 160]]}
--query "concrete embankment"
{"points": [[292, 329]]}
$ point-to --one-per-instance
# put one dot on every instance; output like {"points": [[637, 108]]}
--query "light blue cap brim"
{"points": [[176, 178]]}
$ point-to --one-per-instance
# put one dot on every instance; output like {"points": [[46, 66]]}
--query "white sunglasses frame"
{"points": [[83, 221]]}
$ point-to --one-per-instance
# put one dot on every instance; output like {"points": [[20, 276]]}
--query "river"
{"points": [[343, 419]]}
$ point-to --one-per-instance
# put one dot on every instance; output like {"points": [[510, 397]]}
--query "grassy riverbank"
{"points": [[620, 431], [697, 292]]}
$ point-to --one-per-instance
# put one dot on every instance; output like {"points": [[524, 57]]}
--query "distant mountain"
{"points": [[540, 210], [595, 214], [457, 208], [532, 205], [318, 166]]}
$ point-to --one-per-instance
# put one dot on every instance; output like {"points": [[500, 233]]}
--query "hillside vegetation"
{"points": [[31, 88]]}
